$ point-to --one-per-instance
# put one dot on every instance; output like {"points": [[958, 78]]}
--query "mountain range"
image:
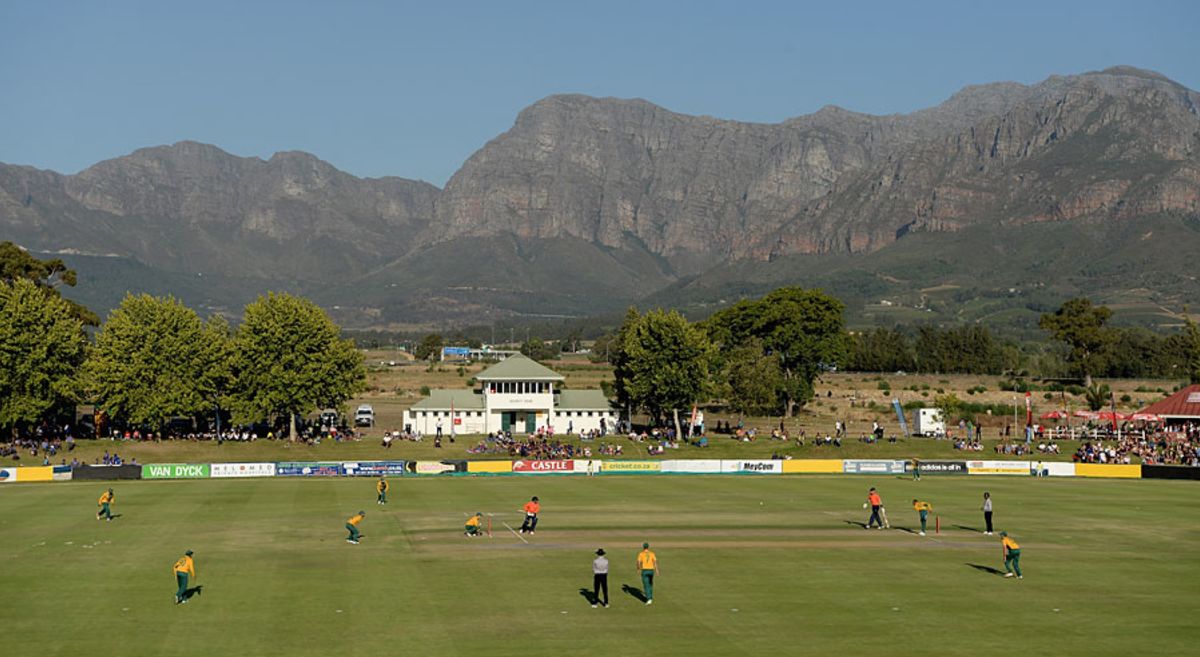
{"points": [[992, 206]]}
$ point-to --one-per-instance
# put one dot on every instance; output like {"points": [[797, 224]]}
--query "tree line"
{"points": [[154, 359]]}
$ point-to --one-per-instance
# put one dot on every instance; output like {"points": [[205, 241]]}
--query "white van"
{"points": [[364, 416]]}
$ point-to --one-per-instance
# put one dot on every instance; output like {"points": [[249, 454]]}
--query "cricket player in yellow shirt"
{"points": [[474, 525], [647, 565], [352, 525], [922, 508], [381, 487], [1012, 556], [184, 567], [106, 500]]}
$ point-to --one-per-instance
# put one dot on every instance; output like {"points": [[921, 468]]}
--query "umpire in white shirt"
{"points": [[599, 579]]}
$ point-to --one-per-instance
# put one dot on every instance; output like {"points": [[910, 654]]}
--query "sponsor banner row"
{"points": [[1001, 467]]}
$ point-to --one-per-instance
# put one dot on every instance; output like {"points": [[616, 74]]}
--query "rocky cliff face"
{"points": [[1116, 143], [194, 207], [631, 194]]}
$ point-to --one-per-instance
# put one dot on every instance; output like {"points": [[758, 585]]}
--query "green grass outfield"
{"points": [[751, 565]]}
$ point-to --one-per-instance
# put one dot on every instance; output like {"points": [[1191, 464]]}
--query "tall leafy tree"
{"points": [[803, 329], [668, 362], [1192, 349], [754, 379], [42, 345], [289, 358], [16, 263], [155, 359], [430, 347], [618, 357], [1081, 327]]}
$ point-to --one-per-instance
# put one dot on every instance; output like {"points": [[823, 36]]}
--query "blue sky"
{"points": [[412, 89]]}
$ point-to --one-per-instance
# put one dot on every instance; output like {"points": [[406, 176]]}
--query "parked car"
{"points": [[364, 416]]}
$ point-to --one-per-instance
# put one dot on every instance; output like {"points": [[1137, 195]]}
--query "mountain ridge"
{"points": [[667, 196]]}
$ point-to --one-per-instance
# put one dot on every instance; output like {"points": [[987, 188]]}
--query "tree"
{"points": [[803, 329], [430, 348], [16, 263], [1097, 396], [667, 363], [155, 359], [1192, 350], [539, 349], [619, 360], [42, 345], [289, 358], [880, 350], [754, 379], [1080, 326]]}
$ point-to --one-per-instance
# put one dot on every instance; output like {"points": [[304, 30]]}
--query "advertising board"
{"points": [[812, 466], [692, 466], [752, 467], [175, 471], [939, 467], [242, 470], [300, 469], [1000, 467], [628, 466], [869, 466], [543, 467]]}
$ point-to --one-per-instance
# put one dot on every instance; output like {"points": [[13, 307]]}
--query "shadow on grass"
{"points": [[987, 569], [970, 529], [587, 595], [856, 523], [192, 592], [635, 592]]}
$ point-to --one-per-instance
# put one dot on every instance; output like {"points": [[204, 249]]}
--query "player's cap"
{"points": [[362, 513], [188, 553], [1004, 533], [645, 546], [600, 552], [535, 498]]}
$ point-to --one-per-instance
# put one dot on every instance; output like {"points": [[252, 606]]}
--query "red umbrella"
{"points": [[1145, 417], [1111, 416], [1054, 415], [1087, 415]]}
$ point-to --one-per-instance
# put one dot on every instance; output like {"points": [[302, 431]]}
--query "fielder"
{"points": [[923, 508], [474, 525], [352, 525], [381, 487], [647, 565], [106, 500], [184, 567], [1012, 556]]}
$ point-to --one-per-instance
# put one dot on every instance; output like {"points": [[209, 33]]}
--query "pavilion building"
{"points": [[518, 395]]}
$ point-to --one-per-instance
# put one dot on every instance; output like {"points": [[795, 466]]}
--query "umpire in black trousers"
{"points": [[599, 579]]}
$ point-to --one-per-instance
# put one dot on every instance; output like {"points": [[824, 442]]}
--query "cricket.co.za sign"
{"points": [[175, 471]]}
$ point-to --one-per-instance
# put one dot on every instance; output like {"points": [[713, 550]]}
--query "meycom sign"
{"points": [[543, 467]]}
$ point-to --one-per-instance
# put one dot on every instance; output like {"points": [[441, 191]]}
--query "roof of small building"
{"points": [[582, 400], [1183, 404], [519, 367], [442, 398]]}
